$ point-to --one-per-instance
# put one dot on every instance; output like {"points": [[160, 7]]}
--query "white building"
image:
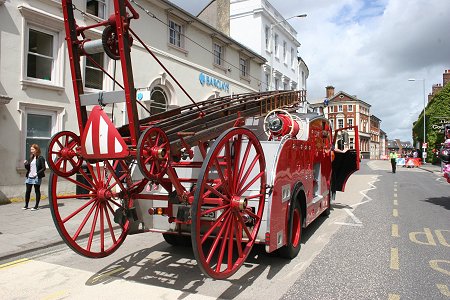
{"points": [[36, 95], [258, 25]]}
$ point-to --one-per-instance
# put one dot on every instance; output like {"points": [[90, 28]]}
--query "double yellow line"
{"points": [[14, 263]]}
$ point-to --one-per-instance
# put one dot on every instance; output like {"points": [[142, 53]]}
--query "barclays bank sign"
{"points": [[211, 81]]}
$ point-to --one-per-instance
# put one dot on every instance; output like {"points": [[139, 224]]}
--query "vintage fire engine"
{"points": [[221, 174]]}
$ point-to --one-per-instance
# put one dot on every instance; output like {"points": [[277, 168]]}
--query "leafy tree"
{"points": [[437, 109]]}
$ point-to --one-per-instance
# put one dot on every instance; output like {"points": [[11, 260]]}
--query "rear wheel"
{"points": [[90, 209], [293, 245], [228, 203]]}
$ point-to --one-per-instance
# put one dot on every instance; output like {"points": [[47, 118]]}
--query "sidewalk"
{"points": [[24, 230], [431, 168]]}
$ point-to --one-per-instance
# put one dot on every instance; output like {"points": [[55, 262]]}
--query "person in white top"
{"points": [[35, 171]]}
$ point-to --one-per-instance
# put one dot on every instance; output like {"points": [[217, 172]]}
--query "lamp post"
{"points": [[424, 117], [272, 42]]}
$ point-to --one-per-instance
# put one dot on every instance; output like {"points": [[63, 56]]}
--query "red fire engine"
{"points": [[224, 173]]}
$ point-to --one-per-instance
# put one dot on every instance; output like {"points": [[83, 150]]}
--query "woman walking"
{"points": [[35, 171]]}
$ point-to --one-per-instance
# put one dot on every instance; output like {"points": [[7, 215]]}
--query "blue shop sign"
{"points": [[211, 81]]}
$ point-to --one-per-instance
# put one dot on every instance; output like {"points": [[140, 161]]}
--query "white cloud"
{"points": [[370, 48]]}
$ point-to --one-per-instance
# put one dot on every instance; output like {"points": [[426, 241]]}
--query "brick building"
{"points": [[375, 137], [436, 88]]}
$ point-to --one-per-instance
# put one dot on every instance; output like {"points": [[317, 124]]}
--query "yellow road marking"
{"points": [[394, 297], [441, 237], [394, 259], [434, 265], [443, 289], [395, 230], [56, 295], [14, 263], [395, 212], [395, 202]]}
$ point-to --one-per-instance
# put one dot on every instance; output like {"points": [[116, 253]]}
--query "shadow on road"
{"points": [[442, 201], [175, 267]]}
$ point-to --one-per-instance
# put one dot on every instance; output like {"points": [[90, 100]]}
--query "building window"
{"points": [[218, 54], [285, 86], [350, 107], [158, 101], [352, 143], [330, 108], [277, 84], [175, 34], [267, 81], [39, 131], [284, 52], [96, 8], [244, 67], [340, 123], [332, 124], [93, 74], [350, 122], [340, 108], [267, 35], [292, 58], [276, 45], [41, 55]]}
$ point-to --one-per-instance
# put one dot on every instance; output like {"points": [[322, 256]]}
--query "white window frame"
{"points": [[267, 76], [105, 9], [181, 41], [50, 25], [340, 109], [339, 123], [56, 112], [350, 108], [285, 52], [267, 37], [105, 66], [219, 61], [350, 123], [275, 41], [244, 63]]}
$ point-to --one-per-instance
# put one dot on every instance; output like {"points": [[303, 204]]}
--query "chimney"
{"points": [[436, 89], [446, 77], [329, 91], [217, 14]]}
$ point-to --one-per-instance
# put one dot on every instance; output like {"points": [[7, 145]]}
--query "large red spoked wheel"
{"points": [[89, 208], [153, 153], [62, 155], [228, 203]]}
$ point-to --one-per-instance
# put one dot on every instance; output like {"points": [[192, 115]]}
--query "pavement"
{"points": [[23, 231]]}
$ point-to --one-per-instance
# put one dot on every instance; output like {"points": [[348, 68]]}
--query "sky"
{"points": [[370, 48]]}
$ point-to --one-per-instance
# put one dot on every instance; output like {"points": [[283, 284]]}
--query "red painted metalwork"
{"points": [[207, 172]]}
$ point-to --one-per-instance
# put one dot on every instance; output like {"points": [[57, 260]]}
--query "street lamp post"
{"points": [[424, 117], [272, 42]]}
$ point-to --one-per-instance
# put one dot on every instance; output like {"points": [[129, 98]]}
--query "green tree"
{"points": [[438, 109]]}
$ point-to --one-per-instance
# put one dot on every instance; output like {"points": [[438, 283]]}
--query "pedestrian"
{"points": [[393, 157], [35, 171]]}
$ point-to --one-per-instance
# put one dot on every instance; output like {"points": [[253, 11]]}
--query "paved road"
{"points": [[356, 253], [396, 245]]}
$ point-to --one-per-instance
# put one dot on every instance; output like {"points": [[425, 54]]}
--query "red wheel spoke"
{"points": [[115, 175], [255, 196], [78, 211], [102, 229], [244, 160], [86, 218], [60, 145], [230, 246], [257, 177], [76, 196], [248, 172], [115, 203], [217, 187], [92, 232], [224, 243], [238, 233], [228, 169], [222, 178], [58, 162], [99, 172], [251, 214], [213, 248], [237, 157], [65, 165], [111, 230], [214, 226], [205, 212], [241, 221], [80, 184], [216, 192], [92, 172], [86, 176]]}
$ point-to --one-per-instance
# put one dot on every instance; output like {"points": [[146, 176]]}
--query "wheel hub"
{"points": [[67, 153], [239, 202], [104, 194]]}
